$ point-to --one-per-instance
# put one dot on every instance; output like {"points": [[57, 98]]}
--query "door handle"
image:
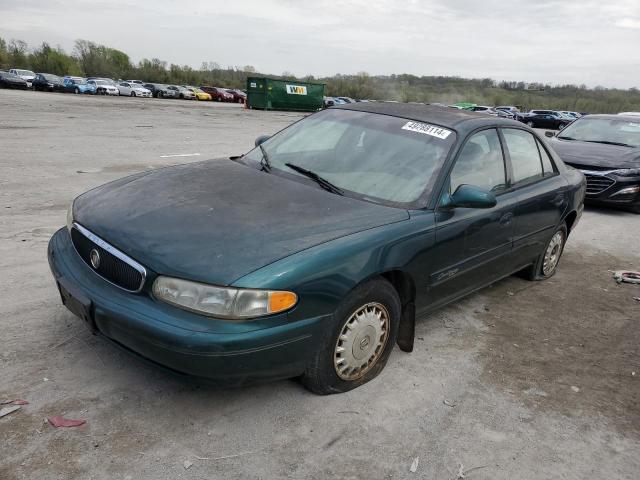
{"points": [[505, 220], [558, 200]]}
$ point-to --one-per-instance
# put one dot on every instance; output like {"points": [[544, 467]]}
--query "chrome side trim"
{"points": [[115, 252]]}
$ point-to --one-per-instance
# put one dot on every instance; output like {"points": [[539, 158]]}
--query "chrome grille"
{"points": [[597, 183], [114, 266]]}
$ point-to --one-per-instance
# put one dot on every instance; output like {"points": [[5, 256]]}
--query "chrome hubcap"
{"points": [[552, 255], [361, 341]]}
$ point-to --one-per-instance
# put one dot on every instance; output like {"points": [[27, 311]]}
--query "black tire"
{"points": [[321, 376], [133, 94], [537, 271], [531, 124], [76, 91], [160, 95]]}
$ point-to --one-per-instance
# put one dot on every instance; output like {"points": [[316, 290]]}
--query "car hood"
{"points": [[587, 154], [219, 220]]}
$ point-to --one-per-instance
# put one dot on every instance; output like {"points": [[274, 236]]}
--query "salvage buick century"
{"points": [[311, 255]]}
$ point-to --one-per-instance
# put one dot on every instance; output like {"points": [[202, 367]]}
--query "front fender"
{"points": [[323, 275]]}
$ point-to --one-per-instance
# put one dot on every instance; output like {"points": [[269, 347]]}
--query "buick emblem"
{"points": [[94, 258]]}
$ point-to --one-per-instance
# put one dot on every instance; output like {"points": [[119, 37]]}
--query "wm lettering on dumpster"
{"points": [[296, 90]]}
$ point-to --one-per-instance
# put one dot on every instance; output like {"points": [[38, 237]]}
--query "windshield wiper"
{"points": [[565, 138], [323, 182], [606, 142], [265, 164]]}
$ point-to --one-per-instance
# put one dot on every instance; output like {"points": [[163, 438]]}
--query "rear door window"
{"points": [[547, 164], [525, 157]]}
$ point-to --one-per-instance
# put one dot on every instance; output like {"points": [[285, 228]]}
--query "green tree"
{"points": [[50, 60]]}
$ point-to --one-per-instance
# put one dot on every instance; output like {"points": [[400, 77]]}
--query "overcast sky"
{"points": [[594, 42]]}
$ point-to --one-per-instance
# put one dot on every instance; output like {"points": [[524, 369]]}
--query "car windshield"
{"points": [[51, 77], [102, 82], [26, 73], [79, 81], [374, 157], [604, 130]]}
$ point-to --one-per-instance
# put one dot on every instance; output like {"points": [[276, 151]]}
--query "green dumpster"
{"points": [[270, 94]]}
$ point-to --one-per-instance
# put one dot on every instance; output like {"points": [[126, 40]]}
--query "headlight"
{"points": [[223, 302], [628, 172], [70, 216]]}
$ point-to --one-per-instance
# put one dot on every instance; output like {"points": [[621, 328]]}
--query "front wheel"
{"points": [[530, 124], [133, 94], [546, 264], [358, 340], [76, 91]]}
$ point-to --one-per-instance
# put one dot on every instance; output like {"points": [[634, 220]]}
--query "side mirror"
{"points": [[261, 139], [470, 196], [549, 134]]}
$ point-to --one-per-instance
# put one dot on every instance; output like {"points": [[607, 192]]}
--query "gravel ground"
{"points": [[522, 380]]}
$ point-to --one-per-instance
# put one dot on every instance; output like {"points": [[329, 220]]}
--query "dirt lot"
{"points": [[537, 377]]}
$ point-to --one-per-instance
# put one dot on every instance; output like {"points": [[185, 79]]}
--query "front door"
{"points": [[473, 246]]}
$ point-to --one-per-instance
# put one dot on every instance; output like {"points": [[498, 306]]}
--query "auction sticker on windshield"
{"points": [[427, 129]]}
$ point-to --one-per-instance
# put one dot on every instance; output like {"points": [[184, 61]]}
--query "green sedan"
{"points": [[312, 255]]}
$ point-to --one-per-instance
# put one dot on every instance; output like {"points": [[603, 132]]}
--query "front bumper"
{"points": [[230, 353], [605, 187]]}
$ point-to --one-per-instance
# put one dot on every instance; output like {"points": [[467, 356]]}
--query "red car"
{"points": [[238, 95], [218, 94]]}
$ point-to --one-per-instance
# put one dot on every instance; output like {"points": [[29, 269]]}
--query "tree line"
{"points": [[91, 59]]}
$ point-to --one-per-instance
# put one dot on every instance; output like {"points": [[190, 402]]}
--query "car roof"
{"points": [[459, 120]]}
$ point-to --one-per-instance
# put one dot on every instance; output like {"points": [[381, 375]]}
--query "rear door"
{"points": [[473, 246], [542, 192]]}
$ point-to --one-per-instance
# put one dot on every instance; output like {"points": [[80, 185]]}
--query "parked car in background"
{"points": [[103, 87], [238, 95], [47, 82], [483, 109], [346, 99], [331, 101], [159, 90], [545, 120], [566, 116], [606, 148], [78, 85], [324, 266], [182, 93], [217, 94], [573, 115], [133, 90], [543, 112], [139, 82], [110, 81], [509, 108], [26, 75], [200, 95], [9, 80], [328, 102]]}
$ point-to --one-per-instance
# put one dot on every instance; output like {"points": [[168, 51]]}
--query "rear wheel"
{"points": [[358, 341], [160, 95], [77, 90], [546, 264], [530, 124]]}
